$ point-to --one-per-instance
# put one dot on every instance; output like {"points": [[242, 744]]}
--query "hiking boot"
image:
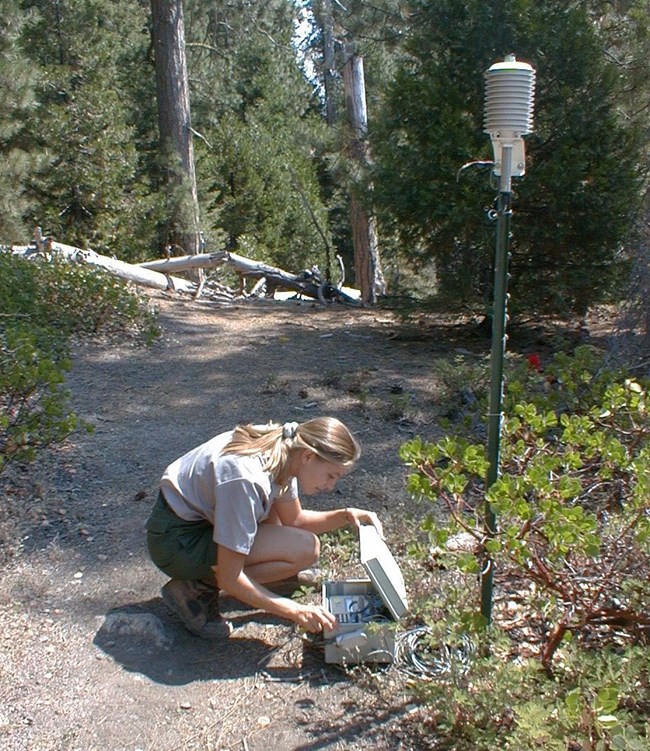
{"points": [[197, 605]]}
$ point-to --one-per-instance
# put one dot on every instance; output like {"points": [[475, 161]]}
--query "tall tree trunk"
{"points": [[367, 262], [174, 123], [323, 14]]}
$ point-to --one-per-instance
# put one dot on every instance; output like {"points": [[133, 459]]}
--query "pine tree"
{"points": [[260, 133], [625, 27], [174, 123], [91, 191], [17, 76], [573, 206]]}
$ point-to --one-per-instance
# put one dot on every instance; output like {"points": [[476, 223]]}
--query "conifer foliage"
{"points": [[17, 85], [582, 181], [81, 151], [87, 189]]}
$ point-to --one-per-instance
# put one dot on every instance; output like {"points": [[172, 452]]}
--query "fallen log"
{"points": [[131, 272], [309, 282], [156, 274], [186, 263]]}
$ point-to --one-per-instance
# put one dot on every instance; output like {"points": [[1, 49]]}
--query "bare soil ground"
{"points": [[89, 657]]}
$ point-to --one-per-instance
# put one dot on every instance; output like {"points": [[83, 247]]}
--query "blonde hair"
{"points": [[327, 437]]}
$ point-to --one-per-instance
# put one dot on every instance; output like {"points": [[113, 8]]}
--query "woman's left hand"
{"points": [[358, 516]]}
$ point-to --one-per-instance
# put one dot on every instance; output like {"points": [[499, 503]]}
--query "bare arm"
{"points": [[232, 578], [293, 514]]}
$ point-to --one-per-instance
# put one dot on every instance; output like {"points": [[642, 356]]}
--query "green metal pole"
{"points": [[497, 356]]}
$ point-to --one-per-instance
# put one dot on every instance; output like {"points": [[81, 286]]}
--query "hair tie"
{"points": [[289, 430]]}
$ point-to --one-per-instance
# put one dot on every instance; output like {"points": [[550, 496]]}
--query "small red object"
{"points": [[534, 362]]}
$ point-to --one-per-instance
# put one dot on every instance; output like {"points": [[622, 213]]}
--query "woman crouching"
{"points": [[229, 517]]}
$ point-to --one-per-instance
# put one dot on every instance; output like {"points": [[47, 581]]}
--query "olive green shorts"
{"points": [[181, 549]]}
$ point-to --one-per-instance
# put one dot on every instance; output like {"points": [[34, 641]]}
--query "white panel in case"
{"points": [[383, 570], [366, 610]]}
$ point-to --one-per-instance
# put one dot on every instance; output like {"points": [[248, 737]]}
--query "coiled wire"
{"points": [[417, 656]]}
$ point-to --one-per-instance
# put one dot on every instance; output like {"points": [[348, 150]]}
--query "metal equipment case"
{"points": [[367, 610]]}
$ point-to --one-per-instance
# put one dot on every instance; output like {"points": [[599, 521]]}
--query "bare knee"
{"points": [[307, 550]]}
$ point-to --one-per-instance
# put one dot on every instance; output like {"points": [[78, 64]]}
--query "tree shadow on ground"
{"points": [[354, 726], [144, 638]]}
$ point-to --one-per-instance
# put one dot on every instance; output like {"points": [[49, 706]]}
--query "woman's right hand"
{"points": [[313, 618]]}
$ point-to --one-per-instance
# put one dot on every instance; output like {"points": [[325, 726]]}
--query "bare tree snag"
{"points": [[367, 264], [174, 123]]}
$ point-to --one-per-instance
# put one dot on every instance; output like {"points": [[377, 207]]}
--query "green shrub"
{"points": [[32, 395], [572, 500], [72, 299], [45, 303], [596, 701], [571, 550]]}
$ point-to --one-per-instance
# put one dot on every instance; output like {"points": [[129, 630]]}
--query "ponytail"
{"points": [[327, 437]]}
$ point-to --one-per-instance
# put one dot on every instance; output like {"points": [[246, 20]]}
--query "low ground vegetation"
{"points": [[45, 304], [564, 665], [571, 555]]}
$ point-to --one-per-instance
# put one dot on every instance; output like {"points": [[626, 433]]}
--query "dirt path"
{"points": [[89, 658]]}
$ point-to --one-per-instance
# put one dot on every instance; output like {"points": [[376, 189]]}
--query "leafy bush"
{"points": [[71, 299], [596, 701], [571, 550], [32, 394], [43, 305]]}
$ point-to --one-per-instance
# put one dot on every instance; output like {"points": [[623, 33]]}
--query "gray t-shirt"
{"points": [[233, 493]]}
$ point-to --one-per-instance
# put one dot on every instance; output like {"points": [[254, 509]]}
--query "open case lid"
{"points": [[383, 570]]}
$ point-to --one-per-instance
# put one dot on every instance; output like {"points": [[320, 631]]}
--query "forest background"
{"points": [[275, 174]]}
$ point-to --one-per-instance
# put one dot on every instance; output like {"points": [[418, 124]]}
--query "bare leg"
{"points": [[280, 552]]}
